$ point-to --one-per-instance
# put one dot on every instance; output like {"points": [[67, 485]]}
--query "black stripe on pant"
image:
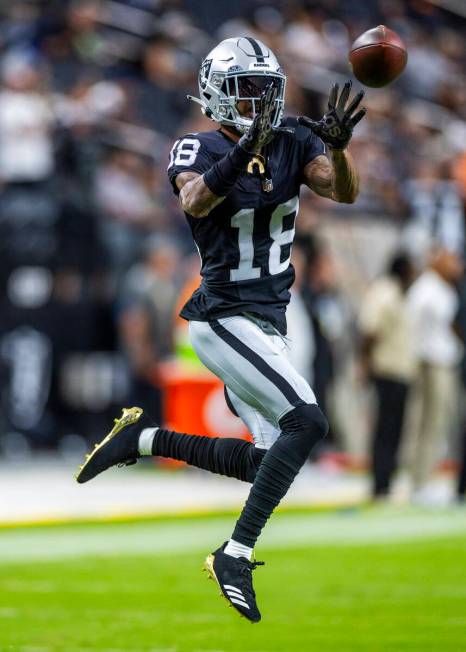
{"points": [[261, 365]]}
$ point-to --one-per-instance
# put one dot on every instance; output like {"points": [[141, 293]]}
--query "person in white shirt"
{"points": [[388, 358], [433, 302], [26, 122]]}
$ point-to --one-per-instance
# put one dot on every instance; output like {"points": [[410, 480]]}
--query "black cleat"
{"points": [[234, 577], [120, 446]]}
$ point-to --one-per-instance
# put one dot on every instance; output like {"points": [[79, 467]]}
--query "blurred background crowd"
{"points": [[96, 257]]}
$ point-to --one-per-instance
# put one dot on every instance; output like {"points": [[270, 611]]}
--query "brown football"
{"points": [[378, 57]]}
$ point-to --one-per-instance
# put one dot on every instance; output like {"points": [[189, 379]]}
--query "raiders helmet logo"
{"points": [[204, 72]]}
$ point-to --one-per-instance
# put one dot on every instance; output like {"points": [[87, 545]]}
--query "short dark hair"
{"points": [[401, 266]]}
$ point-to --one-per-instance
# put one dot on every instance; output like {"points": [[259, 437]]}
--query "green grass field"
{"points": [[379, 580]]}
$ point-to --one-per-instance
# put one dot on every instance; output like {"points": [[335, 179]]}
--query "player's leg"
{"points": [[232, 457], [253, 366], [264, 430], [134, 436], [301, 429]]}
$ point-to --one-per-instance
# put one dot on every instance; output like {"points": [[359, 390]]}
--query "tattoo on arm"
{"points": [[195, 197], [318, 175], [335, 177], [345, 177]]}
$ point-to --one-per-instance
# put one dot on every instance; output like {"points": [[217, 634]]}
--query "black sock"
{"points": [[301, 428], [235, 458]]}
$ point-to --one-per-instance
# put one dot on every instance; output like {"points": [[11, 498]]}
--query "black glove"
{"points": [[336, 126], [261, 132]]}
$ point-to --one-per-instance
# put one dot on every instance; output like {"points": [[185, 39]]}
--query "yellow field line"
{"points": [[129, 517]]}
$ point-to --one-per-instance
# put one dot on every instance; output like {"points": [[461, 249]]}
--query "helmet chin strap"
{"points": [[195, 99], [207, 112]]}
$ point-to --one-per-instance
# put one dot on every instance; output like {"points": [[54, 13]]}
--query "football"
{"points": [[378, 57]]}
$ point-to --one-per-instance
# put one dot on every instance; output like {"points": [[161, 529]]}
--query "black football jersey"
{"points": [[245, 242]]}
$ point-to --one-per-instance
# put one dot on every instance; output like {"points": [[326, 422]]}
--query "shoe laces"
{"points": [[248, 566], [246, 570], [254, 564]]}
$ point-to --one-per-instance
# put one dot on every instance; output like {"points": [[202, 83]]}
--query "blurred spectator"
{"points": [[427, 65], [146, 320], [436, 210], [304, 40], [460, 325], [130, 212], [299, 320], [26, 121], [461, 484], [72, 39], [459, 173], [388, 359], [161, 101], [326, 306], [433, 304]]}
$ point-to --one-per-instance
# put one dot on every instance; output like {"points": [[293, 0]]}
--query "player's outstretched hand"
{"points": [[335, 128], [262, 131]]}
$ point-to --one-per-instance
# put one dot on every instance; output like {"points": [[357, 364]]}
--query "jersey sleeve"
{"points": [[188, 154], [307, 143], [313, 146]]}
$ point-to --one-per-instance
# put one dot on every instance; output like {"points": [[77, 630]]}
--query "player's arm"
{"points": [[195, 197], [335, 176]]}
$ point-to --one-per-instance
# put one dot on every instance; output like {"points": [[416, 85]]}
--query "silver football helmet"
{"points": [[239, 69]]}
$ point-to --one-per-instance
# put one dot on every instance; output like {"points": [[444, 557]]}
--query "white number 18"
{"points": [[243, 220]]}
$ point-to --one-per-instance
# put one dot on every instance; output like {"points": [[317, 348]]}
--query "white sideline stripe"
{"points": [[349, 528], [243, 604]]}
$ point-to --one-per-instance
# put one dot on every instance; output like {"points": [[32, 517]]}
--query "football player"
{"points": [[239, 188]]}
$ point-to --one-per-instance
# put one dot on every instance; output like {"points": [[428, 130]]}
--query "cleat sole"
{"points": [[128, 418]]}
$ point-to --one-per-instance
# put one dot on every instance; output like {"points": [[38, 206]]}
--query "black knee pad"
{"points": [[306, 424]]}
